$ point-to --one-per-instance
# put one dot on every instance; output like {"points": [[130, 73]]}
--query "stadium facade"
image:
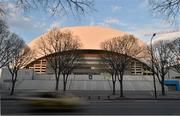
{"points": [[90, 62]]}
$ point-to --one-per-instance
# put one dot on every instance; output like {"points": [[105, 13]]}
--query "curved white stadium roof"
{"points": [[90, 36]]}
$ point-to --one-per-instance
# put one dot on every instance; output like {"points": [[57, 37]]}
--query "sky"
{"points": [[132, 16]]}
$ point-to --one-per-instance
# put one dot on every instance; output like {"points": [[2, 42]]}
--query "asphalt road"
{"points": [[121, 107]]}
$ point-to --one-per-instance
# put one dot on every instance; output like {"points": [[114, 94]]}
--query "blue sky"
{"points": [[133, 16]]}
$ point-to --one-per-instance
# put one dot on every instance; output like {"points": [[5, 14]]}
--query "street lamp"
{"points": [[152, 62], [33, 70]]}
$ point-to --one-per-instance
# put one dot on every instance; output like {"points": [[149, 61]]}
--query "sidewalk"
{"points": [[98, 95]]}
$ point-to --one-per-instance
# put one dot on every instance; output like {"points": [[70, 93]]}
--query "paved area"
{"points": [[97, 103], [123, 107], [98, 95]]}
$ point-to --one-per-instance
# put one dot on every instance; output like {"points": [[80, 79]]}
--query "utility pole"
{"points": [[152, 64]]}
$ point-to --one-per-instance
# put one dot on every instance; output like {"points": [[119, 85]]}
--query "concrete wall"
{"points": [[82, 85], [22, 74], [5, 77], [103, 76], [172, 74], [75, 82]]}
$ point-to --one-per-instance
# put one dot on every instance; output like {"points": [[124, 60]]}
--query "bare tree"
{"points": [[74, 7], [2, 10], [167, 8], [54, 45], [175, 48], [163, 59], [150, 62], [20, 56], [4, 47], [126, 48], [70, 60], [110, 64]]}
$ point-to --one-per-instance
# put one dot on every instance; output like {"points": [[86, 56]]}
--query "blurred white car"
{"points": [[50, 101]]}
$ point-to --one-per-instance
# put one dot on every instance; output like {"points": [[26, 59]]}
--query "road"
{"points": [[121, 107]]}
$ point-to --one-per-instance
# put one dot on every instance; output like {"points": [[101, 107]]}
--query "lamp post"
{"points": [[33, 70], [152, 64]]}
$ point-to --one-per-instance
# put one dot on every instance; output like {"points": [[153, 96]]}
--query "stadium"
{"points": [[90, 73], [90, 62]]}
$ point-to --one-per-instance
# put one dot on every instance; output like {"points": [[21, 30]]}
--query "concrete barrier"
{"points": [[75, 82]]}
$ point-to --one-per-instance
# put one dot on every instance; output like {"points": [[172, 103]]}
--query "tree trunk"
{"points": [[155, 91], [121, 87], [57, 84], [64, 83], [14, 77], [12, 88], [162, 86], [114, 88], [64, 89]]}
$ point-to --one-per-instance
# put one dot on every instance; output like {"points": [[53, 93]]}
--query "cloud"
{"points": [[147, 31], [18, 21], [55, 24], [168, 36], [26, 26], [163, 32], [116, 8], [143, 3], [111, 21]]}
